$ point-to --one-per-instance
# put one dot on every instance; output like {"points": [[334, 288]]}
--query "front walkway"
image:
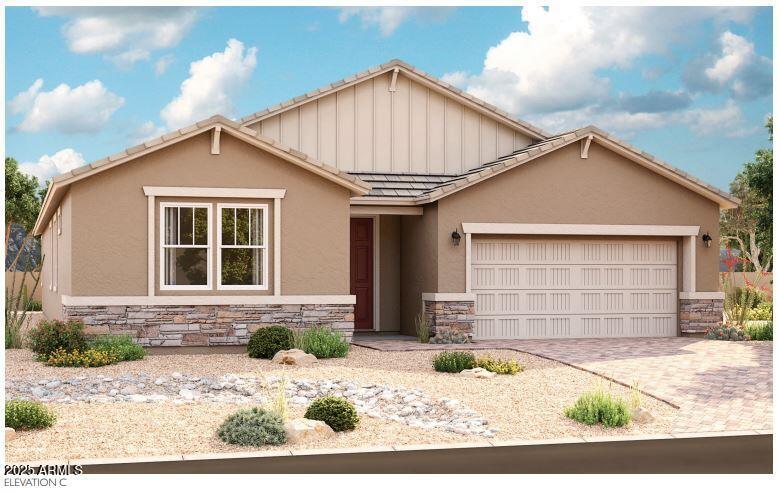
{"points": [[716, 385]]}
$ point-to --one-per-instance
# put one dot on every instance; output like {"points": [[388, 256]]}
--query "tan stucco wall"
{"points": [[52, 300], [110, 217], [389, 273], [562, 188], [419, 263]]}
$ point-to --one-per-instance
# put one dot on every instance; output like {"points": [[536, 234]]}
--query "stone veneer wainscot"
{"points": [[450, 315], [698, 315], [177, 325]]}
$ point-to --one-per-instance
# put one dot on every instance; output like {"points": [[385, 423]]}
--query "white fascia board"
{"points": [[204, 300], [579, 229], [448, 296], [179, 191], [702, 295]]}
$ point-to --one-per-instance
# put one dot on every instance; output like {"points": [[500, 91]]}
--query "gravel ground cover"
{"points": [[526, 406]]}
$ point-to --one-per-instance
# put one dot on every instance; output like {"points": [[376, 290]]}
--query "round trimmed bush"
{"points": [[336, 412], [253, 427], [24, 415], [265, 342]]}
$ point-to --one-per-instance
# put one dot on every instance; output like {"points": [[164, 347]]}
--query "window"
{"points": [[242, 261], [186, 246]]}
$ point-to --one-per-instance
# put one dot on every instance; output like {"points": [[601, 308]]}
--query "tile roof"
{"points": [[437, 186]]}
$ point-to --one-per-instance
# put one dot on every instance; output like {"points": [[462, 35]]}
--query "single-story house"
{"points": [[369, 201]]}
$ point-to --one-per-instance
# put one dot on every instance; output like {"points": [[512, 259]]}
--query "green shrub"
{"points": [[24, 415], [50, 335], [34, 305], [422, 326], [499, 366], [121, 345], [727, 332], [321, 341], [265, 342], [336, 412], [599, 407], [760, 331], [763, 312], [453, 361], [80, 358], [253, 427]]}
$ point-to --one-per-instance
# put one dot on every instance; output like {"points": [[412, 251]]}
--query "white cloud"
{"points": [[23, 101], [726, 120], [146, 131], [124, 35], [213, 82], [50, 166], [736, 67], [388, 19], [162, 64], [83, 109], [557, 64]]}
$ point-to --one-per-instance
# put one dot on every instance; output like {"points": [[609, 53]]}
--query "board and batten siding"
{"points": [[368, 128]]}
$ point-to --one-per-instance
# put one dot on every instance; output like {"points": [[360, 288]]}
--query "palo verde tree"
{"points": [[750, 226]]}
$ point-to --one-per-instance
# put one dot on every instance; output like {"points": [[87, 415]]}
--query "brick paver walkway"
{"points": [[717, 385]]}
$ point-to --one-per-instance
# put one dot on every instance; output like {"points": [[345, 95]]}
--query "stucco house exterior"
{"points": [[365, 202]]}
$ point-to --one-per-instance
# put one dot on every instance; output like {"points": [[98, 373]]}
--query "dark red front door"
{"points": [[361, 272]]}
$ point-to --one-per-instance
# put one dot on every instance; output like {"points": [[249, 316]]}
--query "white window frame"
{"points": [[208, 246], [264, 246]]}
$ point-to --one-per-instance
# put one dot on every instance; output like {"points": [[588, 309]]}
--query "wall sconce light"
{"points": [[707, 240], [456, 238]]}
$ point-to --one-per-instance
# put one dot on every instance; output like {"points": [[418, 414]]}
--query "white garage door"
{"points": [[574, 288]]}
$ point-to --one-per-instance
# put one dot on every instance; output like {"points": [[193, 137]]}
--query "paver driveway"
{"points": [[716, 385]]}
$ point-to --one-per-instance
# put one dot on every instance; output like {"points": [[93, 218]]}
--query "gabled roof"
{"points": [[61, 183], [416, 75], [459, 182]]}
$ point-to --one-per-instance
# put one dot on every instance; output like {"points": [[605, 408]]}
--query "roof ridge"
{"points": [[375, 70]]}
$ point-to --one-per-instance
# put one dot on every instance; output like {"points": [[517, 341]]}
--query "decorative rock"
{"points": [[52, 384], [10, 434], [129, 390], [40, 392], [641, 416], [406, 406], [187, 394], [293, 357], [303, 430], [478, 373]]}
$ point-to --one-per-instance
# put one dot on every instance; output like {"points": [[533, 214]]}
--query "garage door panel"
{"points": [[575, 302], [498, 251], [604, 326], [571, 288], [573, 277]]}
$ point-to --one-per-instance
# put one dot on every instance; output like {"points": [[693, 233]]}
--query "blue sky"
{"points": [[691, 86]]}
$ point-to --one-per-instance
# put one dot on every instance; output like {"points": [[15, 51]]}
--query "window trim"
{"points": [[208, 246], [265, 246]]}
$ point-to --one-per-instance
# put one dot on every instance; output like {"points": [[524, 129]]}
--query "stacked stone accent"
{"points": [[698, 315], [176, 325], [456, 316]]}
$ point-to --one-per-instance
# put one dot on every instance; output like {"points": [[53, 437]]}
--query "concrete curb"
{"points": [[473, 445]]}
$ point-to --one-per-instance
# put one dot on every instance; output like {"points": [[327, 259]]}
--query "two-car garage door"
{"points": [[565, 288]]}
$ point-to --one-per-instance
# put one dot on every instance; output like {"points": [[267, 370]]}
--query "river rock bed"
{"points": [[409, 406]]}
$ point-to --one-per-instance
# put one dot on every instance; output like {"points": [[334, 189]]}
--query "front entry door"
{"points": [[361, 271]]}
